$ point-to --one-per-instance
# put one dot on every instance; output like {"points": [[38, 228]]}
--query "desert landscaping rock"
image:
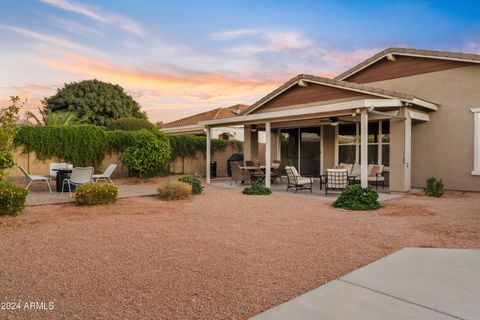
{"points": [[220, 255]]}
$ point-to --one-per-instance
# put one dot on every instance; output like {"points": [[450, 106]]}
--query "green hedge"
{"points": [[82, 145]]}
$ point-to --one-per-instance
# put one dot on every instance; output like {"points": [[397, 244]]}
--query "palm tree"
{"points": [[49, 118]]}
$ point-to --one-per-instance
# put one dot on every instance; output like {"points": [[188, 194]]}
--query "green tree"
{"points": [[9, 116], [149, 154], [96, 102], [132, 124]]}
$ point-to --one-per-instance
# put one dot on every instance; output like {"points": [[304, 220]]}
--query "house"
{"points": [[190, 125], [415, 111]]}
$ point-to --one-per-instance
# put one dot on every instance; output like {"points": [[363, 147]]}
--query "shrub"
{"points": [[131, 124], [149, 154], [435, 188], [355, 197], [96, 193], [175, 190], [257, 189], [194, 182], [12, 198]]}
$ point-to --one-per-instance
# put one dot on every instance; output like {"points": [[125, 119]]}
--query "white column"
{"points": [[364, 148], [279, 145], [208, 153], [476, 141], [268, 153]]}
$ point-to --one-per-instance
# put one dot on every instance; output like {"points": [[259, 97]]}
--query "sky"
{"points": [[178, 58]]}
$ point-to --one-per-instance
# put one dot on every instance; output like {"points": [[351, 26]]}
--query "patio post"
{"points": [[208, 153], [268, 154], [364, 148]]}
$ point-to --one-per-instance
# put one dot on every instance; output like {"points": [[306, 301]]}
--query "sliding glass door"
{"points": [[300, 147]]}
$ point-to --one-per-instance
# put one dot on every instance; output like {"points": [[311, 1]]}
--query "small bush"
{"points": [[194, 182], [175, 190], [257, 189], [12, 198], [355, 197], [96, 193], [435, 188]]}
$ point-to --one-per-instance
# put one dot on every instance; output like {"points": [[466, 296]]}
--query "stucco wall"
{"points": [[443, 147]]}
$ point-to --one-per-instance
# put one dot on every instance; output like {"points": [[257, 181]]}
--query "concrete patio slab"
{"points": [[338, 300], [447, 280], [413, 283]]}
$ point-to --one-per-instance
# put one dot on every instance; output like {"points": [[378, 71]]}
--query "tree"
{"points": [[8, 122], [131, 124], [50, 118], [96, 102]]}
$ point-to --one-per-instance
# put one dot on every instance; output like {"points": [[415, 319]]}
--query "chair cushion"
{"points": [[348, 166], [379, 178], [356, 170], [303, 180], [374, 171]]}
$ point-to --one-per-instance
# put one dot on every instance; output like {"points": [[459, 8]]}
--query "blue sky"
{"points": [[178, 58]]}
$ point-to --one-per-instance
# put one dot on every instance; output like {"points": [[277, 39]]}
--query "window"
{"points": [[378, 143], [476, 141]]}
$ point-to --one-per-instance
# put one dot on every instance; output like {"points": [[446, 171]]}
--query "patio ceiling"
{"points": [[313, 113]]}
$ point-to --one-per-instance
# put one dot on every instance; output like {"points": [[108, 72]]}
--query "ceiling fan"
{"points": [[333, 121]]}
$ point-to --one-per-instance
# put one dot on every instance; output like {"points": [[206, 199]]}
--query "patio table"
{"points": [[62, 174]]}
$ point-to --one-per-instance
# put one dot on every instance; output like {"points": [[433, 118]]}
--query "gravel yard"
{"points": [[220, 255]]}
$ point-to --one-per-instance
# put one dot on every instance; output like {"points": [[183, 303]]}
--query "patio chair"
{"points": [[277, 170], [295, 180], [54, 166], [105, 176], [30, 178], [238, 174], [375, 174], [78, 177], [337, 179]]}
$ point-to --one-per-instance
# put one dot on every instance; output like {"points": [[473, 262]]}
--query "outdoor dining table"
{"points": [[62, 174]]}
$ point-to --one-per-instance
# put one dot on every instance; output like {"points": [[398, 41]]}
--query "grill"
{"points": [[236, 157]]}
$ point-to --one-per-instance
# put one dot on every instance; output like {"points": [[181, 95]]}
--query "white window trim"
{"points": [[476, 141]]}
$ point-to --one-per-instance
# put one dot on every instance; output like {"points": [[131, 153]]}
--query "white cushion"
{"points": [[302, 180], [348, 166], [379, 178], [356, 170]]}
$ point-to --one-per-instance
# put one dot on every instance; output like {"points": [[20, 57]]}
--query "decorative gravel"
{"points": [[220, 255]]}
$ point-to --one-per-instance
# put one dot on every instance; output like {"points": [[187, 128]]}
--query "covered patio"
{"points": [[315, 123]]}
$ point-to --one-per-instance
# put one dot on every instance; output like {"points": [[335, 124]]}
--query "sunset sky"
{"points": [[177, 58]]}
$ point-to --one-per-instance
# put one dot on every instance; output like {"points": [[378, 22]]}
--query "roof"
{"points": [[385, 93], [219, 113], [445, 55]]}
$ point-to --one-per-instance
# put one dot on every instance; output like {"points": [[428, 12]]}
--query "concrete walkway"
{"points": [[41, 197], [412, 283]]}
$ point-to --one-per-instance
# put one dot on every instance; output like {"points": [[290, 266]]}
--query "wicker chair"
{"points": [[296, 181], [337, 179], [277, 170], [239, 175]]}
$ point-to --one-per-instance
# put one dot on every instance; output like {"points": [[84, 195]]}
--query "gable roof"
{"points": [[444, 55], [305, 78], [219, 113]]}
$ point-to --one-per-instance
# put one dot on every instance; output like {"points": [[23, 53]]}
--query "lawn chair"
{"points": [[295, 180], [375, 174], [30, 178], [78, 177], [238, 174], [55, 166], [337, 179], [106, 174]]}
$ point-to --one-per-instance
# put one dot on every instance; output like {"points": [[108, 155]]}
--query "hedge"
{"points": [[86, 145]]}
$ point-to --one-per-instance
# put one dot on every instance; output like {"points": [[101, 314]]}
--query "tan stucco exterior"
{"points": [[443, 146]]}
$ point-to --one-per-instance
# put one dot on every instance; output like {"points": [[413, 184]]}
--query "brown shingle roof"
{"points": [[332, 82], [447, 55], [219, 113]]}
